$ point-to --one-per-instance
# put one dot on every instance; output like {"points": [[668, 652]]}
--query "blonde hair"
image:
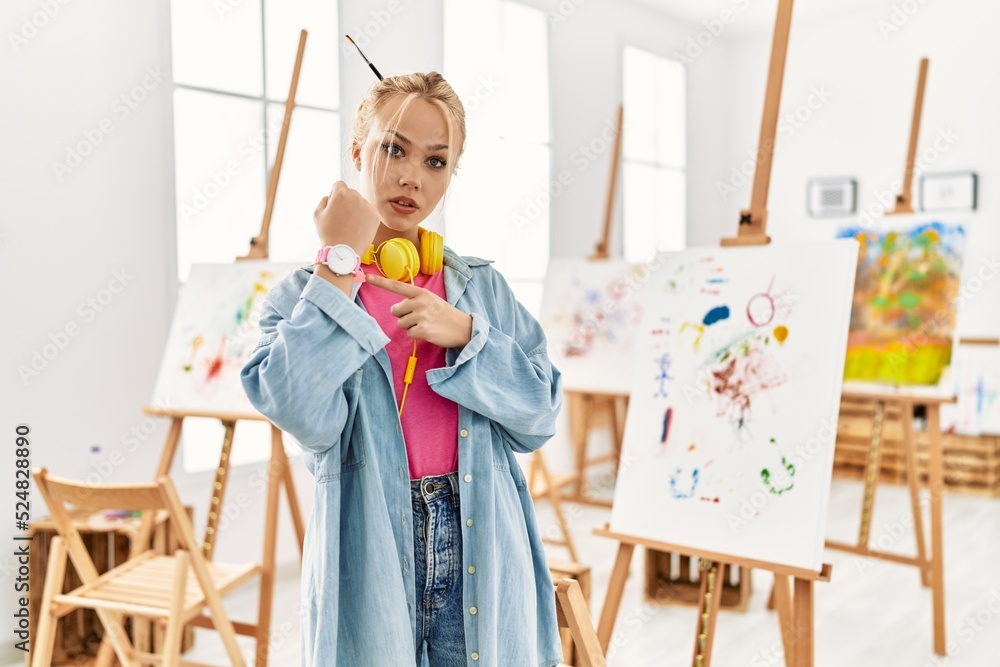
{"points": [[430, 87]]}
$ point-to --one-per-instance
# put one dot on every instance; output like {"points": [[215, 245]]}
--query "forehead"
{"points": [[423, 122]]}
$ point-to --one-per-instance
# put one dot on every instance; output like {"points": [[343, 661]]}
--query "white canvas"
{"points": [[731, 426], [977, 388], [591, 313], [214, 330]]}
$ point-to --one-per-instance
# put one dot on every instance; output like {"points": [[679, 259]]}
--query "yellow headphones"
{"points": [[398, 259]]}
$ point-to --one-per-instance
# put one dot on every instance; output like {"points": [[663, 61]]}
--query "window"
{"points": [[653, 154], [232, 64], [499, 204]]}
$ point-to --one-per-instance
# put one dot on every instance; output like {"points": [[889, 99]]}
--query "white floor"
{"points": [[872, 614]]}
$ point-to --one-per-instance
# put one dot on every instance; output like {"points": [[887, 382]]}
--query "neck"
{"points": [[384, 234]]}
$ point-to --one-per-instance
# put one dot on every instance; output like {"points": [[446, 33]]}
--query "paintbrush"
{"points": [[377, 73]]}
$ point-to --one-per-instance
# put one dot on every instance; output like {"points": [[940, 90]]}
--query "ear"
{"points": [[356, 155]]}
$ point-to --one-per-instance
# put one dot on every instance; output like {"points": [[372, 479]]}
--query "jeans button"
{"points": [[428, 488]]}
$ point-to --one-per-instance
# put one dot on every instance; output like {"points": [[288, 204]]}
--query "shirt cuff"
{"points": [[345, 313], [454, 358]]}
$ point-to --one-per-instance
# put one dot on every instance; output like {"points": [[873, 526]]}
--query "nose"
{"points": [[408, 176]]}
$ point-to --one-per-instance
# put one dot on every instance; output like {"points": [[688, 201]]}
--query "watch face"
{"points": [[342, 259]]}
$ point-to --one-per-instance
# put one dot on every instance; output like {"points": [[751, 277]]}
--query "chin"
{"points": [[402, 223]]}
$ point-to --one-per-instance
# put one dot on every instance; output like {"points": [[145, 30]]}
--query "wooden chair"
{"points": [[146, 585], [572, 612]]}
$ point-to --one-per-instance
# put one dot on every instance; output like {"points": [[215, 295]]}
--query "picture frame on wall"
{"points": [[831, 196], [949, 191]]}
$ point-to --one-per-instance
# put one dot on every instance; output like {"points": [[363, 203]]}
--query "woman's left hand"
{"points": [[425, 315]]}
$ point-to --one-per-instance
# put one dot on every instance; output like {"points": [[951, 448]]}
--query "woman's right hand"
{"points": [[344, 216]]}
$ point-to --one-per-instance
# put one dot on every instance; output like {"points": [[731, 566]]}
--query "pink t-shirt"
{"points": [[430, 421]]}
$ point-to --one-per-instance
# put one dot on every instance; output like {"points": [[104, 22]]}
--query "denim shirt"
{"points": [[320, 373]]}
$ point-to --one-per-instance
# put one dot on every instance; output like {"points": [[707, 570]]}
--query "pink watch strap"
{"points": [[324, 253]]}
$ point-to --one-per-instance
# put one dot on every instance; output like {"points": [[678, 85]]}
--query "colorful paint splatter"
{"points": [[903, 314], [783, 479], [591, 312], [214, 331], [226, 353], [601, 317], [677, 484], [977, 383], [663, 374], [738, 373]]}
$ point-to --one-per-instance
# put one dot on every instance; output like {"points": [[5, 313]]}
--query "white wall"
{"points": [[867, 62]]}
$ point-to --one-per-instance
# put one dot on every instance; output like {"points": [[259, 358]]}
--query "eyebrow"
{"points": [[435, 147]]}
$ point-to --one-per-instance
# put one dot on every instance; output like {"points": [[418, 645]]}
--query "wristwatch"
{"points": [[342, 260]]}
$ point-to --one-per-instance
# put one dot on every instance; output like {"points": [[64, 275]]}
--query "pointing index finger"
{"points": [[395, 286]]}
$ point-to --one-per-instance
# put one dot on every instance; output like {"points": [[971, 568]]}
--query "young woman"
{"points": [[423, 539]]}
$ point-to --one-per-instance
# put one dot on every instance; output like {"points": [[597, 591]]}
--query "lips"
{"points": [[403, 205], [404, 201]]}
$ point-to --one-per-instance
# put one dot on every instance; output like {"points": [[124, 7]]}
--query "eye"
{"points": [[391, 149], [436, 162]]}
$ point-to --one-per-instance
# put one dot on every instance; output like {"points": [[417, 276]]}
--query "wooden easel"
{"points": [[279, 472], [585, 409], [931, 565], [258, 244], [795, 613], [753, 221], [794, 602], [904, 200], [551, 491]]}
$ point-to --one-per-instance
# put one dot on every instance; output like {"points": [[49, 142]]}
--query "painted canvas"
{"points": [[213, 332], [737, 372], [904, 313], [977, 387], [590, 313]]}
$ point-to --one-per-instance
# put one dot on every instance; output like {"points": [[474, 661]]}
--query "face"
{"points": [[414, 162]]}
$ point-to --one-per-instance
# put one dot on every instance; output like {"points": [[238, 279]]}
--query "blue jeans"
{"points": [[437, 560]]}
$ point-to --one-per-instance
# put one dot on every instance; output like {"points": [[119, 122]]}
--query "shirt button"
{"points": [[473, 610], [474, 656], [472, 569], [463, 433], [468, 522], [468, 478]]}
